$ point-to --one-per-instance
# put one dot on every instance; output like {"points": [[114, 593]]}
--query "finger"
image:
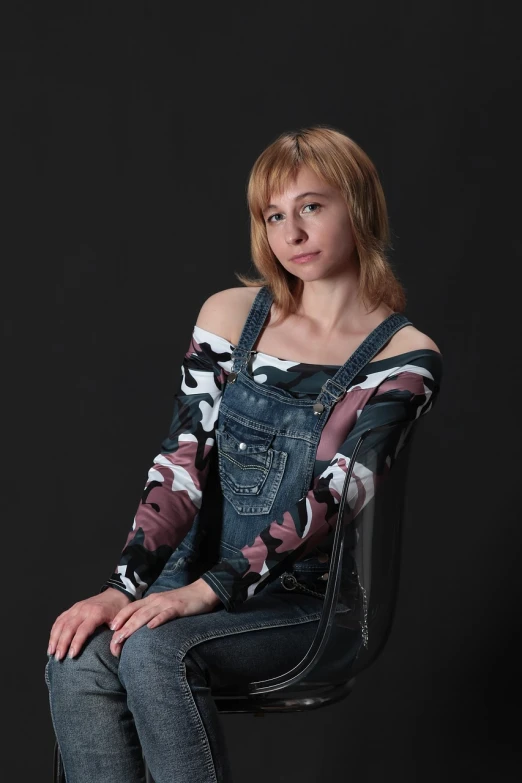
{"points": [[83, 632], [56, 631], [58, 627], [138, 620], [124, 614], [63, 642], [162, 617]]}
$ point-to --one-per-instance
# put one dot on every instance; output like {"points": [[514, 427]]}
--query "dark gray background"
{"points": [[129, 133]]}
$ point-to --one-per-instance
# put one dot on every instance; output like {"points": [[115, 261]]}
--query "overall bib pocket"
{"points": [[250, 470]]}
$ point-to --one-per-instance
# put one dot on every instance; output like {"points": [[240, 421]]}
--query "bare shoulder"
{"points": [[411, 339], [225, 312]]}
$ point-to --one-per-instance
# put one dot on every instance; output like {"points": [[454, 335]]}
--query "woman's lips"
{"points": [[303, 258]]}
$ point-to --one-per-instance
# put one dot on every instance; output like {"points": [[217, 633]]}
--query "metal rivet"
{"points": [[318, 408], [242, 446], [232, 377]]}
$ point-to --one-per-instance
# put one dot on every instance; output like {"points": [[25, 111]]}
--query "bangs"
{"points": [[276, 168], [340, 162]]}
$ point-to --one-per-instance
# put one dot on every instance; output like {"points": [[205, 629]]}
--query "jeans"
{"points": [[156, 699]]}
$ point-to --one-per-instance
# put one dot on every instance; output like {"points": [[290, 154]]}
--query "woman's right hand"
{"points": [[72, 627]]}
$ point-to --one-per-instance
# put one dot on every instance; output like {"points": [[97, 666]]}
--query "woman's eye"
{"points": [[273, 218], [269, 219]]}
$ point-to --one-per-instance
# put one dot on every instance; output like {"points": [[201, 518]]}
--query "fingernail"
{"points": [[57, 655], [112, 626], [71, 652], [49, 650]]}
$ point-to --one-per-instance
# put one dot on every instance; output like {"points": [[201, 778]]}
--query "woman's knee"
{"points": [[93, 665], [138, 659], [150, 657]]}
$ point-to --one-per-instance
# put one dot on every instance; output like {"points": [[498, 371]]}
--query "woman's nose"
{"points": [[294, 232]]}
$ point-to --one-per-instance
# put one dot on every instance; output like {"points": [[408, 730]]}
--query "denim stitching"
{"points": [[223, 593], [195, 714], [275, 394], [239, 499], [262, 468], [210, 635], [48, 682], [228, 413], [231, 548]]}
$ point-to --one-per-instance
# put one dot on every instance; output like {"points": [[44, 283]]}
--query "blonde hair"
{"points": [[340, 162]]}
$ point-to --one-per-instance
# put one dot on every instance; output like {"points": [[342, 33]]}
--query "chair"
{"points": [[363, 575]]}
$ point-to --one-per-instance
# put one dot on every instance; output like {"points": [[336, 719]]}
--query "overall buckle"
{"points": [[333, 394]]}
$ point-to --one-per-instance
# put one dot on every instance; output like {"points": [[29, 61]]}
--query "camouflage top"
{"points": [[399, 388]]}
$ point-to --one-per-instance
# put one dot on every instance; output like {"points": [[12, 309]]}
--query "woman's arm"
{"points": [[173, 491], [404, 396]]}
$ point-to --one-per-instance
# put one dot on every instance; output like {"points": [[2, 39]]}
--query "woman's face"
{"points": [[308, 228]]}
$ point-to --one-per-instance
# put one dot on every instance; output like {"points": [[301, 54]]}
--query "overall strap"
{"points": [[253, 325], [335, 388]]}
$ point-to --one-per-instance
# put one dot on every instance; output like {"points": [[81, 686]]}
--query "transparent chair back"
{"points": [[364, 569]]}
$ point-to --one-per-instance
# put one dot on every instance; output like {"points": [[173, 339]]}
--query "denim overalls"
{"points": [[158, 697], [266, 442]]}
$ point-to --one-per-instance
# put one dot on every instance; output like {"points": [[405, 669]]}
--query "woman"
{"points": [[281, 377]]}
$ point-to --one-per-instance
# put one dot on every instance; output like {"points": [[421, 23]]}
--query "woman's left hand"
{"points": [[157, 608]]}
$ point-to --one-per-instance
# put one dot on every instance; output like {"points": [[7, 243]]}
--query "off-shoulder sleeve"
{"points": [[173, 491], [406, 393]]}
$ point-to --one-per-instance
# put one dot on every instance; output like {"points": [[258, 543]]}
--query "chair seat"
{"points": [[303, 696]]}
